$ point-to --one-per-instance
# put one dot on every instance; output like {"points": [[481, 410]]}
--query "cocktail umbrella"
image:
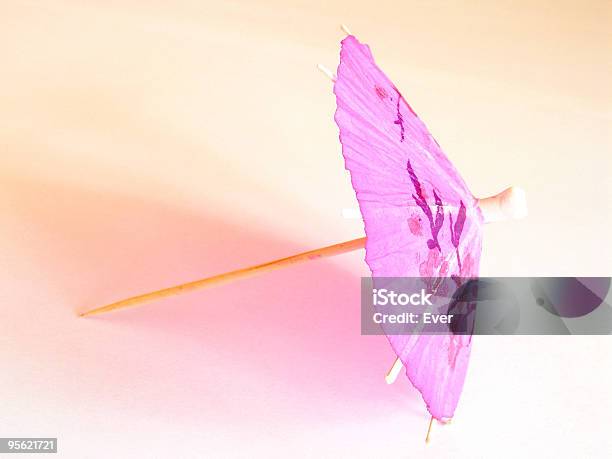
{"points": [[420, 218]]}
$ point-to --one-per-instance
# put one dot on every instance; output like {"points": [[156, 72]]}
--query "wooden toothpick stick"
{"points": [[243, 273], [429, 430]]}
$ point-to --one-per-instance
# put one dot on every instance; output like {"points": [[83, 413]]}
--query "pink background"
{"points": [[145, 144]]}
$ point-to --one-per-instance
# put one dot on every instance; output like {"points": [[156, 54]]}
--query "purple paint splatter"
{"points": [[457, 229], [380, 92], [400, 119], [435, 224]]}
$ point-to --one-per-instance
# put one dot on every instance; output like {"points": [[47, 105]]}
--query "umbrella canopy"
{"points": [[420, 218]]}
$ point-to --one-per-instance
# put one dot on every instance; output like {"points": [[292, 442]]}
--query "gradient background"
{"points": [[144, 144]]}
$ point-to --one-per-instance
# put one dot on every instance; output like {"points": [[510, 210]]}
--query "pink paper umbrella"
{"points": [[420, 218]]}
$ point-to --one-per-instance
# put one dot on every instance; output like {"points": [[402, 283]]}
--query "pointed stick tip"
{"points": [[94, 311]]}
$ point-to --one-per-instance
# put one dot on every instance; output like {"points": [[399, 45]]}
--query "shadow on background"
{"points": [[282, 346]]}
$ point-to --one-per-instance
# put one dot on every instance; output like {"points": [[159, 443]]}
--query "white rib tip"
{"points": [[327, 72], [394, 371], [514, 203], [389, 380], [345, 29], [509, 204]]}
